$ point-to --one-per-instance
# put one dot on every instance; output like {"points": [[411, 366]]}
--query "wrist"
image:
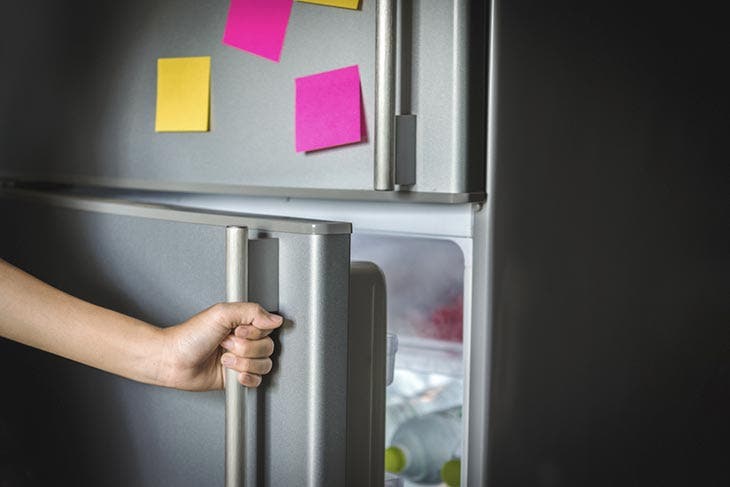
{"points": [[165, 360]]}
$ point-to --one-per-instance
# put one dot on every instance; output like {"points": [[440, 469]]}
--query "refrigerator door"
{"points": [[72, 425], [89, 80]]}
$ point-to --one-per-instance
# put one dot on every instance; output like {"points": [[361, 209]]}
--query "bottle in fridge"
{"points": [[422, 445]]}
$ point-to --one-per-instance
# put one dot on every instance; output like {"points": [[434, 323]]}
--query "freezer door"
{"points": [[88, 81], [72, 425]]}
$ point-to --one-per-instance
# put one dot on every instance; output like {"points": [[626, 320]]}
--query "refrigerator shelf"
{"points": [[429, 356]]}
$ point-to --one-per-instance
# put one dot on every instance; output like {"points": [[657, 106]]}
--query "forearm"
{"points": [[36, 314]]}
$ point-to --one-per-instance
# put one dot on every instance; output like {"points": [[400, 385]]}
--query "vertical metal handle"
{"points": [[240, 434], [385, 36]]}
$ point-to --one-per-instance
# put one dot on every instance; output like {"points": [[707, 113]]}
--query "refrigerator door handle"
{"points": [[241, 403], [385, 44]]}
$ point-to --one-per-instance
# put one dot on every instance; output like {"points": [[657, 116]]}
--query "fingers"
{"points": [[249, 380], [249, 348], [256, 366], [248, 357], [232, 315], [250, 332]]}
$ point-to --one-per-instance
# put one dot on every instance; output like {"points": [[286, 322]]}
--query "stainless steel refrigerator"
{"points": [[509, 214]]}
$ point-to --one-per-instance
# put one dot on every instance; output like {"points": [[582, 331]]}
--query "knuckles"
{"points": [[259, 310], [243, 346], [231, 312], [245, 364], [269, 347], [260, 348], [218, 312]]}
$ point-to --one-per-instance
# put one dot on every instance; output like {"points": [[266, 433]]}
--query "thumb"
{"points": [[232, 315]]}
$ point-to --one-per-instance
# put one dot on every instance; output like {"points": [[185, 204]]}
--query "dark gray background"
{"points": [[611, 339]]}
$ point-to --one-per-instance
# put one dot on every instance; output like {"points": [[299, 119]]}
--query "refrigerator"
{"points": [[340, 241], [532, 209]]}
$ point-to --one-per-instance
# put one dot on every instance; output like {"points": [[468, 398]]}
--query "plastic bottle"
{"points": [[449, 395], [421, 446], [444, 397], [395, 415]]}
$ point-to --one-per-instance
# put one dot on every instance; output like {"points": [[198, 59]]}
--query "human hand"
{"points": [[232, 335]]}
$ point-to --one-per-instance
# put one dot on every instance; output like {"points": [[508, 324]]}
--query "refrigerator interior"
{"points": [[425, 281]]}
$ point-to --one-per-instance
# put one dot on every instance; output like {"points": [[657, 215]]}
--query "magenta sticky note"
{"points": [[258, 26], [328, 109]]}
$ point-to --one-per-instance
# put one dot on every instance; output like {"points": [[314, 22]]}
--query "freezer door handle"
{"points": [[241, 402], [385, 44]]}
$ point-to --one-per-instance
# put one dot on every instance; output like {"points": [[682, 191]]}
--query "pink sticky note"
{"points": [[328, 109], [258, 26]]}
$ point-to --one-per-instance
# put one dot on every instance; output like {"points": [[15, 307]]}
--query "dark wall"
{"points": [[611, 336]]}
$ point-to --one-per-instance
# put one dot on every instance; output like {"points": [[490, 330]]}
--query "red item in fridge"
{"points": [[448, 321]]}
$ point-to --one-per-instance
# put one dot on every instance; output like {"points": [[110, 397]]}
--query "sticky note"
{"points": [[258, 26], [353, 4], [183, 94], [328, 109]]}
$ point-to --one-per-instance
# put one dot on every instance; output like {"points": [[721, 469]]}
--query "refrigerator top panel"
{"points": [[79, 104]]}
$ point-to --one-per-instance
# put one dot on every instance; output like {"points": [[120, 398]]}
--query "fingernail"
{"points": [[227, 343], [227, 360], [276, 319], [242, 331]]}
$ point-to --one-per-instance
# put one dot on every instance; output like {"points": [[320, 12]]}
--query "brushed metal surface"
{"points": [[101, 90], [312, 348], [239, 471], [263, 273], [447, 52], [177, 213], [469, 72], [385, 46], [24, 179], [478, 346], [368, 216]]}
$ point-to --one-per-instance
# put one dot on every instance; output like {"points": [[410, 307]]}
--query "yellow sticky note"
{"points": [[183, 94], [353, 4]]}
